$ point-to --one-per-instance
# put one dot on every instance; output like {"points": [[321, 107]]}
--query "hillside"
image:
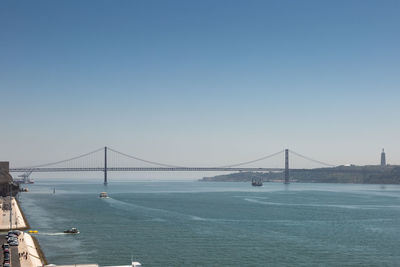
{"points": [[342, 174]]}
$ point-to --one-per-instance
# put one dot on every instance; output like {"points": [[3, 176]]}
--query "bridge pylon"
{"points": [[105, 166], [287, 178]]}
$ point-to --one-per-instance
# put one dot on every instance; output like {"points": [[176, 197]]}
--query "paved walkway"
{"points": [[25, 254], [28, 255], [14, 257], [16, 218]]}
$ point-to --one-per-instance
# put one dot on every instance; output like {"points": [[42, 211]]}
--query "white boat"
{"points": [[134, 264], [103, 195]]}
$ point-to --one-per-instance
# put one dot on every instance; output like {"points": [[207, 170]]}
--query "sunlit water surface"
{"points": [[217, 224]]}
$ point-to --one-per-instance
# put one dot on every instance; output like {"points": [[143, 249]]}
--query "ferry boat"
{"points": [[72, 231], [256, 182], [103, 195]]}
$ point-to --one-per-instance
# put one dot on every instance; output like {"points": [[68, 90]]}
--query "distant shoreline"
{"points": [[371, 174]]}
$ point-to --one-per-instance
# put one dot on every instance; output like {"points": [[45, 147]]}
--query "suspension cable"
{"points": [[144, 160], [169, 165], [252, 161], [175, 166], [310, 159], [65, 160]]}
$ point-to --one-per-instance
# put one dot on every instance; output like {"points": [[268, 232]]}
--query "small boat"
{"points": [[103, 195], [256, 182], [72, 231], [33, 231]]}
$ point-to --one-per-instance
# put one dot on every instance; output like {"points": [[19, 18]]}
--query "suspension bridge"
{"points": [[87, 163]]}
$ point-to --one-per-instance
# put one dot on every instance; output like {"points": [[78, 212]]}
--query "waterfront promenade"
{"points": [[17, 219], [25, 254], [29, 256]]}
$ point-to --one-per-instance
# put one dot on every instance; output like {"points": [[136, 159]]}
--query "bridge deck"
{"points": [[143, 169]]}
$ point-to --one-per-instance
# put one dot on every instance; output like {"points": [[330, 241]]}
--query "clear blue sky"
{"points": [[200, 82]]}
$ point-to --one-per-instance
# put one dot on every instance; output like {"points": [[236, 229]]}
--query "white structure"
{"points": [[383, 158]]}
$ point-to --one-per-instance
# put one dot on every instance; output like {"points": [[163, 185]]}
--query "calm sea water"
{"points": [[217, 224]]}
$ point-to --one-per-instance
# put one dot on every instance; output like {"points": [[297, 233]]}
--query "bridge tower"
{"points": [[287, 166], [105, 165]]}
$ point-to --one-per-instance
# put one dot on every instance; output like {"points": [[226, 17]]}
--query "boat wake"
{"points": [[51, 234], [321, 205], [161, 215], [157, 214]]}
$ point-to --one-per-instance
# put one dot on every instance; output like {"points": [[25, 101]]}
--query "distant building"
{"points": [[6, 181], [383, 158]]}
